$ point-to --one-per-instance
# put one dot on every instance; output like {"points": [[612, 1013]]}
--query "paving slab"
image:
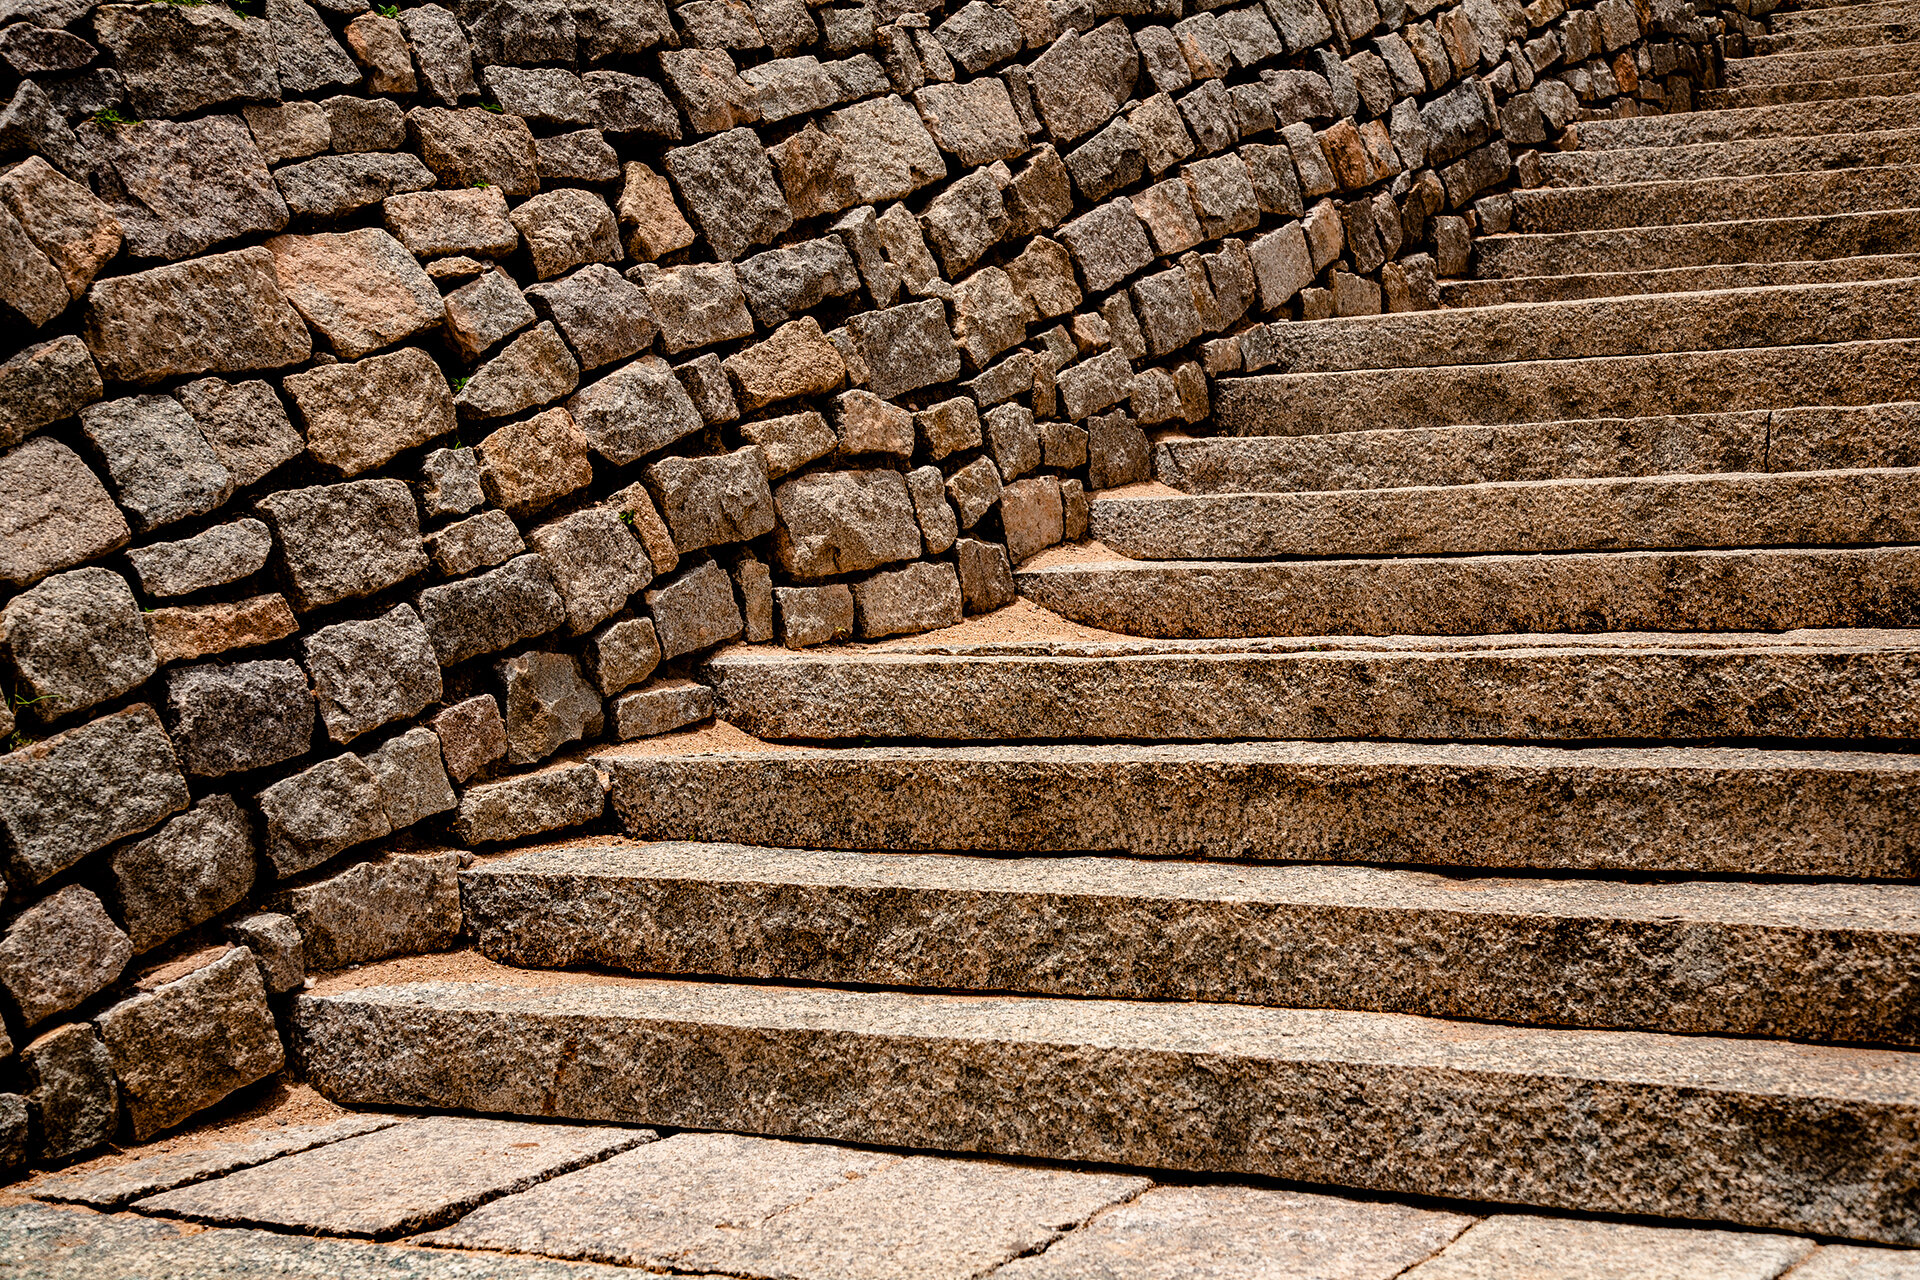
{"points": [[1510, 1246], [394, 1181]]}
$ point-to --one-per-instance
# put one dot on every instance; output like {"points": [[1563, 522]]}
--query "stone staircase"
{"points": [[1497, 786]]}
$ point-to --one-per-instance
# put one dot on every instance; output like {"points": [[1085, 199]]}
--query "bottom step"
{"points": [[1753, 1132]]}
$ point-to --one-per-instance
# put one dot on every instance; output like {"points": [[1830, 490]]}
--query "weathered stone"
{"points": [[1167, 210], [1117, 452], [472, 735], [188, 1043], [1512, 1241], [631, 104], [244, 424], [450, 482], [1164, 303], [360, 290], [44, 384], [712, 501], [223, 554], [1063, 446], [526, 465], [289, 130], [202, 630], [546, 94], [401, 905], [60, 951], [545, 800], [69, 1078], [77, 232], [885, 152], [410, 777], [603, 316], [1110, 160], [536, 368], [661, 707], [786, 87], [178, 188], [938, 524], [754, 582], [81, 790], [1031, 514], [709, 388], [696, 306], [567, 228], [920, 597], [649, 216], [869, 424], [344, 540], [904, 348], [30, 121], [434, 223], [179, 60], [472, 146], [966, 220], [636, 410], [379, 45], [76, 640], [229, 719], [196, 866], [320, 811], [990, 315], [844, 522], [367, 673], [487, 613], [790, 442], [974, 122], [162, 468], [1096, 384], [333, 186], [1109, 244], [730, 189], [482, 312], [35, 50], [796, 361], [783, 282], [596, 562], [973, 490], [361, 414], [1040, 196], [709, 89], [478, 542], [1223, 193], [814, 615], [949, 426], [622, 654], [1161, 133], [694, 610], [1080, 81], [986, 576], [1013, 440]]}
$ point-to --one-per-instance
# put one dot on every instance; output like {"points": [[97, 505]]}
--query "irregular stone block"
{"points": [[814, 615], [515, 808], [986, 576], [289, 130], [904, 348], [566, 228], [361, 414], [196, 866], [639, 514], [360, 290], [320, 811], [306, 53], [973, 490], [790, 442], [709, 89], [920, 597], [603, 316], [524, 466], [884, 152], [198, 631], [58, 952], [1117, 452], [596, 562], [712, 501], [634, 411], [402, 905], [782, 282], [649, 215], [369, 672], [1081, 80], [450, 482], [836, 522], [696, 306], [869, 424], [485, 310], [225, 553], [973, 122], [77, 232], [437, 223], [228, 719], [796, 361], [179, 188], [162, 468], [938, 524], [81, 790], [1164, 303], [1031, 514], [622, 654], [1109, 244], [344, 540], [707, 385], [468, 147], [380, 45], [624, 103], [990, 315], [69, 1081], [220, 314], [479, 542], [76, 640], [1013, 439], [275, 943], [754, 581], [244, 424], [694, 610], [660, 708], [186, 1044], [1096, 384], [411, 778], [440, 52], [44, 384], [729, 187], [179, 60], [485, 614], [333, 186]]}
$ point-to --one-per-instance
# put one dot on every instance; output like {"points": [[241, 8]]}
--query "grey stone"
{"points": [[60, 951], [661, 707], [35, 50], [1455, 123], [565, 229], [162, 468], [986, 576], [1092, 385], [697, 305], [1109, 244], [1009, 378], [179, 188], [603, 316], [323, 809], [440, 51], [631, 104], [220, 314], [15, 1131], [1164, 303], [361, 414], [1032, 515], [1080, 81], [973, 490], [869, 424], [367, 673], [30, 121], [482, 312], [1223, 193], [636, 410], [526, 465], [966, 220], [1042, 273], [885, 152], [76, 640], [547, 94], [244, 424], [694, 610], [709, 89], [904, 348], [344, 540], [472, 735], [83, 789], [938, 524], [596, 563], [289, 130], [754, 582], [71, 1090], [360, 290], [714, 500], [1108, 161], [1211, 117], [485, 614], [1013, 440], [450, 482], [709, 388], [229, 719], [790, 442], [399, 905], [1117, 452], [1063, 446], [546, 800], [305, 52], [436, 223], [333, 186], [922, 596], [974, 122], [837, 522], [193, 868], [990, 315], [223, 554], [1275, 187], [471, 146], [536, 368], [787, 87], [78, 234], [188, 1043], [649, 216], [179, 60], [783, 282], [814, 615], [622, 654], [43, 384], [729, 188], [477, 542]]}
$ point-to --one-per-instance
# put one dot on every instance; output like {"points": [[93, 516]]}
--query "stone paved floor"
{"points": [[359, 1197]]}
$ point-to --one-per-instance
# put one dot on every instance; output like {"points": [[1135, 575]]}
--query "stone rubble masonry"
{"points": [[71, 1090]]}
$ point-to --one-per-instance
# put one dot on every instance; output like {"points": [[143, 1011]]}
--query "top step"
{"points": [[1824, 65], [1807, 18], [1898, 84]]}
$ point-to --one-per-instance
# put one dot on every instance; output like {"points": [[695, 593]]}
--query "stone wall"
{"points": [[398, 398]]}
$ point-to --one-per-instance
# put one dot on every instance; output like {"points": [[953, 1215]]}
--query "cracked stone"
{"points": [[178, 188]]}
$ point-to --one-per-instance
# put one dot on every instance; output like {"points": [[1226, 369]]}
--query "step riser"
{"points": [[1729, 159], [1695, 975], [1725, 244], [1783, 440], [1824, 39], [1504, 695], [1898, 85], [1716, 200], [1554, 390], [1736, 591], [1633, 326], [1493, 293], [1900, 111], [1652, 811], [1816, 508], [915, 1072], [1826, 65]]}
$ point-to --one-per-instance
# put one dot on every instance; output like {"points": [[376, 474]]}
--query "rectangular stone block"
{"points": [[406, 904], [661, 707], [530, 803], [189, 871], [224, 313]]}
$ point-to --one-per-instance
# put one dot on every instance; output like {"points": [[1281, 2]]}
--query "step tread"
{"points": [[1774, 120], [1681, 201], [1738, 242], [1822, 64], [1665, 280], [1730, 158], [1896, 84]]}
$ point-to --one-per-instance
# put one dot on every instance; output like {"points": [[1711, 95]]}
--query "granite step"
{"points": [[1733, 159], [1758, 1132], [1828, 962], [1844, 15], [1809, 686], [1629, 513], [1762, 440], [1755, 275], [1487, 595], [1740, 242], [1894, 85], [1862, 35], [1854, 373], [1777, 316], [1734, 124], [1689, 200], [1823, 65], [1637, 810]]}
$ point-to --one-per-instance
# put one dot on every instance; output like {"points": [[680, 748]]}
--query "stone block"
{"points": [[922, 596], [1031, 514], [229, 719], [796, 361], [218, 314], [1117, 452], [196, 866], [788, 87], [1063, 446], [869, 424], [370, 672], [526, 465], [709, 89], [986, 575], [482, 312], [77, 232], [410, 777], [648, 215], [548, 705], [288, 130], [1223, 194], [1113, 159], [186, 1044], [363, 413], [223, 554], [187, 632], [1081, 80], [276, 946], [814, 615], [487, 613], [546, 94], [790, 442], [966, 220], [884, 152], [1096, 384], [345, 540], [472, 735], [450, 482], [603, 316], [162, 468], [43, 384], [433, 224], [835, 522], [697, 305], [636, 410], [320, 811], [244, 424], [69, 1082], [903, 348], [621, 654], [536, 368], [379, 44], [60, 951], [1073, 507], [624, 103], [754, 582], [334, 186], [468, 147], [76, 640], [1282, 265], [729, 187], [694, 610], [974, 122], [565, 229], [360, 290], [596, 563], [1040, 196], [783, 282], [638, 513], [1013, 440], [661, 707], [1161, 132], [938, 524], [54, 512], [990, 315], [949, 426], [478, 542], [180, 188], [707, 386], [712, 501], [400, 905], [307, 56], [1109, 244], [1167, 210], [531, 803], [973, 490]]}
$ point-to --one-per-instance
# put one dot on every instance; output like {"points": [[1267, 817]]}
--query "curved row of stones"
{"points": [[401, 395]]}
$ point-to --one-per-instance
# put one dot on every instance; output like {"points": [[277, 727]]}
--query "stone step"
{"points": [[1485, 595], [1671, 203], [1812, 439], [1829, 962], [1864, 35], [1633, 513], [1740, 158], [1759, 1132], [1757, 275], [1867, 115], [1895, 85], [1893, 232], [1776, 316], [1643, 810], [1857, 373], [1823, 65], [1844, 15], [1826, 686]]}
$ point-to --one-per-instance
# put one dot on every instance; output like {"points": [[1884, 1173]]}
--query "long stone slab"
{"points": [[1738, 242], [1683, 200], [1781, 316], [745, 1206], [1738, 158], [1898, 84], [1497, 292], [1298, 404], [1829, 962], [1773, 120], [394, 1181], [1809, 439], [1824, 65], [1819, 685], [1845, 15], [1782, 509], [1514, 1245], [1484, 595], [1862, 34], [1762, 1133]]}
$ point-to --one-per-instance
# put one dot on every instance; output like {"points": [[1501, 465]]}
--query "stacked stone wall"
{"points": [[397, 400]]}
